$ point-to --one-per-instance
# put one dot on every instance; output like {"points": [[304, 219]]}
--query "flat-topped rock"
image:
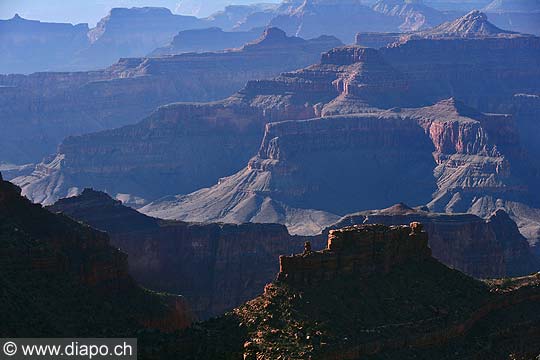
{"points": [[359, 250]]}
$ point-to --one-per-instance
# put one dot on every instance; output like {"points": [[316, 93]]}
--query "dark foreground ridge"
{"points": [[375, 293], [61, 278]]}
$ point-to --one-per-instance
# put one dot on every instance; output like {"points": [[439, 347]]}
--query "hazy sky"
{"points": [[90, 11]]}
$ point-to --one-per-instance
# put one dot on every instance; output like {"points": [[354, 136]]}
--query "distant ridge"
{"points": [[475, 24], [513, 6]]}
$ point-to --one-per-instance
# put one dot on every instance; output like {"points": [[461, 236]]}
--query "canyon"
{"points": [[374, 292], [65, 104], [220, 266], [461, 159], [449, 156], [62, 278], [347, 80], [215, 266]]}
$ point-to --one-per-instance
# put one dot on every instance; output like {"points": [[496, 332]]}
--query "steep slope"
{"points": [[376, 293], [130, 33], [29, 45], [436, 152], [348, 80], [414, 14], [61, 278], [312, 18], [478, 247], [473, 25], [38, 111], [216, 266]]}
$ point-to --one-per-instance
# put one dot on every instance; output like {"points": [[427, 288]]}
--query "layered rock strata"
{"points": [[215, 266], [361, 250], [38, 111], [375, 292], [478, 247]]}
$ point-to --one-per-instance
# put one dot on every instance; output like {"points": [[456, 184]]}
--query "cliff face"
{"points": [[414, 14], [343, 19], [204, 40], [375, 292], [468, 159], [52, 262], [132, 32], [478, 247], [132, 88], [435, 150], [29, 45], [216, 266]]}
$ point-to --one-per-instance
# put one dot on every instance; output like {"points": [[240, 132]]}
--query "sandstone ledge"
{"points": [[360, 250]]}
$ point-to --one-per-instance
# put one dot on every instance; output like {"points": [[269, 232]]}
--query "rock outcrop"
{"points": [[473, 25], [38, 111], [215, 266], [478, 247], [360, 250], [58, 274], [387, 299], [437, 150]]}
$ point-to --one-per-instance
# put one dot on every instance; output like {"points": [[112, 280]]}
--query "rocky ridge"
{"points": [[415, 14], [132, 88], [215, 266], [475, 24], [375, 293], [439, 150], [42, 45], [50, 263], [478, 247], [477, 156], [205, 40]]}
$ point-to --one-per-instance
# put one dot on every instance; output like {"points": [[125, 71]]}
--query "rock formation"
{"points": [[205, 40], [375, 293], [216, 266], [376, 40], [30, 45], [468, 160], [358, 250], [64, 104], [439, 150], [58, 274], [130, 33], [478, 247], [473, 25], [414, 14]]}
